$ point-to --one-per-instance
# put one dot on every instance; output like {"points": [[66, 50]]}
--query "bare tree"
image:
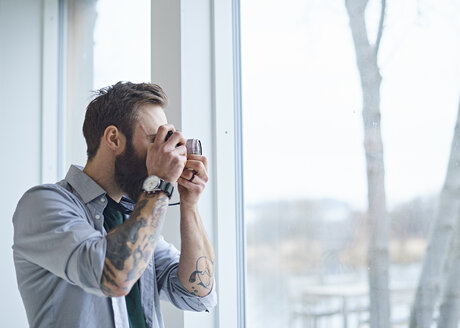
{"points": [[446, 223], [378, 254], [429, 285]]}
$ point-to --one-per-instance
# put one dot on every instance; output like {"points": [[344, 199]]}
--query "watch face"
{"points": [[151, 183]]}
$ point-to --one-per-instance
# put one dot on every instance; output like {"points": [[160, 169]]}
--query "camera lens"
{"points": [[194, 146]]}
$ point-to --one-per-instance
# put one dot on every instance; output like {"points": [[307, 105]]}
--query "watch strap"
{"points": [[167, 187]]}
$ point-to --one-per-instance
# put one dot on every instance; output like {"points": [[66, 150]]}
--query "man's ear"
{"points": [[114, 139]]}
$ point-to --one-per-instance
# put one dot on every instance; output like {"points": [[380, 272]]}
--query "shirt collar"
{"points": [[86, 187], [128, 204], [125, 205]]}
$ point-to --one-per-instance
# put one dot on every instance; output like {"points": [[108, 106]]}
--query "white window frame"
{"points": [[229, 197], [195, 57], [50, 91]]}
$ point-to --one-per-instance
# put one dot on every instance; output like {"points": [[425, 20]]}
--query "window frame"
{"points": [[51, 95], [229, 157], [189, 41]]}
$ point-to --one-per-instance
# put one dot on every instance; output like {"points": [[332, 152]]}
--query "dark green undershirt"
{"points": [[113, 216]]}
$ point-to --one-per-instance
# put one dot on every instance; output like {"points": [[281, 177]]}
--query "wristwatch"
{"points": [[153, 184]]}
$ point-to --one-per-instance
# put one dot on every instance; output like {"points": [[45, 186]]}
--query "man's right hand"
{"points": [[166, 159]]}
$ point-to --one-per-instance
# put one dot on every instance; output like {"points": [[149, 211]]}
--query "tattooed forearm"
{"points": [[203, 275], [130, 246], [196, 264]]}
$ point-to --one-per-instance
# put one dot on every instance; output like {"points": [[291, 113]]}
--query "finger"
{"points": [[192, 175], [200, 158], [188, 174], [195, 165], [176, 139], [196, 185], [163, 131], [181, 150]]}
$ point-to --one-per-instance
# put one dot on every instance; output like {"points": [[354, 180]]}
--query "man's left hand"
{"points": [[193, 180]]}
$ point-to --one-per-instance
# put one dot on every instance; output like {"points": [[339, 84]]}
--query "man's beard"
{"points": [[130, 172]]}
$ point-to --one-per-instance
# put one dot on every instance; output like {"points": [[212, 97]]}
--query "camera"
{"points": [[193, 145]]}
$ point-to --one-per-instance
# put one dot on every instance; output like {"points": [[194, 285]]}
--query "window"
{"points": [[106, 42], [121, 42], [306, 180]]}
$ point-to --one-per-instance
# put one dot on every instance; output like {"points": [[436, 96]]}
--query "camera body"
{"points": [[193, 145]]}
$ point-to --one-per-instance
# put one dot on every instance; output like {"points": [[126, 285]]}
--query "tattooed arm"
{"points": [[130, 246], [196, 264]]}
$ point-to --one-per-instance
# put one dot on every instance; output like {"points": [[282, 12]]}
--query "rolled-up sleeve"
{"points": [[51, 230], [170, 287]]}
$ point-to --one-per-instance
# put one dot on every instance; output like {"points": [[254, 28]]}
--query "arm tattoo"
{"points": [[203, 274], [130, 246]]}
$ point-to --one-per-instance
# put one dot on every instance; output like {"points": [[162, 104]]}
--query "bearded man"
{"points": [[88, 250]]}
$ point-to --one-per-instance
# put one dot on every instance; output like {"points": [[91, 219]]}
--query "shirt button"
{"points": [[97, 216], [102, 199]]}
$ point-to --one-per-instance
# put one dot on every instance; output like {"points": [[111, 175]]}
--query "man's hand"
{"points": [[166, 159], [193, 180]]}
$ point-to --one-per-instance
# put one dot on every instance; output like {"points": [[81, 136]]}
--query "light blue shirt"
{"points": [[59, 251]]}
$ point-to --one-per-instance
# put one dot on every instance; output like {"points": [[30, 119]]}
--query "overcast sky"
{"points": [[302, 98]]}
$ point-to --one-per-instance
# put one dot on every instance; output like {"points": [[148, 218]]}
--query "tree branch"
{"points": [[380, 30]]}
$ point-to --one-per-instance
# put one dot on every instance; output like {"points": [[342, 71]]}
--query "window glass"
{"points": [[121, 42], [322, 218], [106, 42]]}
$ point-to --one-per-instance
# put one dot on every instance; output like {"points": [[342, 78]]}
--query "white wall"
{"points": [[20, 133]]}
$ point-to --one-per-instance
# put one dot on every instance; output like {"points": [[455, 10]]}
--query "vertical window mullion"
{"points": [[239, 191]]}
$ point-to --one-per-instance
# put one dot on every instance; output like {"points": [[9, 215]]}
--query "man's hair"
{"points": [[118, 105]]}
